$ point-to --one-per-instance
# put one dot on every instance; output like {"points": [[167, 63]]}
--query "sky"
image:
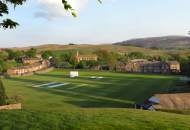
{"points": [[46, 21]]}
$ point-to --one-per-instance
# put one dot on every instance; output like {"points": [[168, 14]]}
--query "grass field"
{"points": [[115, 90], [85, 103]]}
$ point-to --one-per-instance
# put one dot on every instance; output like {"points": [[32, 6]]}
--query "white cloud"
{"points": [[50, 9]]}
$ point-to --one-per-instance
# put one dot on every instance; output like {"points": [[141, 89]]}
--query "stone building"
{"points": [[30, 61], [23, 70], [145, 66], [174, 66], [86, 57]]}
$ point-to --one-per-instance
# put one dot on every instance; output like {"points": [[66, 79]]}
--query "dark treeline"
{"points": [[109, 60], [106, 60]]}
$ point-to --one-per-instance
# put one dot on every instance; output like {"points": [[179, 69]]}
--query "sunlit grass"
{"points": [[90, 104]]}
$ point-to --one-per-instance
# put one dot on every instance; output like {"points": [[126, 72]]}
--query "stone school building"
{"points": [[24, 70], [80, 57], [145, 66], [30, 61]]}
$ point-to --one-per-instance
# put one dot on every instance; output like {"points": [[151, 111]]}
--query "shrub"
{"points": [[14, 99], [136, 55]]}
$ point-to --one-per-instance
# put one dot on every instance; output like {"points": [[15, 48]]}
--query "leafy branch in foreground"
{"points": [[8, 23], [68, 7]]}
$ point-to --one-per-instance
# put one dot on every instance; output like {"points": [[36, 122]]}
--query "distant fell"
{"points": [[164, 42]]}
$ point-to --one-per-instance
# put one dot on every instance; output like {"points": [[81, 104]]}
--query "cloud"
{"points": [[50, 9]]}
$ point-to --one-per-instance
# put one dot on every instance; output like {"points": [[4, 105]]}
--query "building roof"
{"points": [[26, 67], [173, 62], [92, 55], [26, 58], [154, 100], [139, 60]]}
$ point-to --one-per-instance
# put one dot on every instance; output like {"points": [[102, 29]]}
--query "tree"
{"points": [[14, 55], [69, 57], [73, 61], [47, 54], [31, 53], [123, 59], [18, 55], [106, 58], [136, 55], [2, 94], [92, 63], [4, 66], [64, 59], [4, 55], [112, 61], [10, 54], [82, 65], [102, 56], [185, 64]]}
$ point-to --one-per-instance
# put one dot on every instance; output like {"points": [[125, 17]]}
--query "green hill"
{"points": [[91, 48], [107, 119], [89, 104], [123, 48]]}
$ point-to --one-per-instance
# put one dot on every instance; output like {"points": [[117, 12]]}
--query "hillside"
{"points": [[109, 119], [159, 42], [86, 48]]}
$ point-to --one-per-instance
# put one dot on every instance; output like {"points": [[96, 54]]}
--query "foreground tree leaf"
{"points": [[8, 23]]}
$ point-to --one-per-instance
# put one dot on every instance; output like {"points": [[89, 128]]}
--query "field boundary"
{"points": [[173, 101], [17, 106]]}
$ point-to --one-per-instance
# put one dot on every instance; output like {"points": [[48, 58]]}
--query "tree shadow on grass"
{"points": [[26, 80], [90, 101], [53, 75], [100, 104]]}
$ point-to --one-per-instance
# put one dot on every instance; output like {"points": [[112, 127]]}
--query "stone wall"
{"points": [[45, 70], [11, 107], [20, 71]]}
